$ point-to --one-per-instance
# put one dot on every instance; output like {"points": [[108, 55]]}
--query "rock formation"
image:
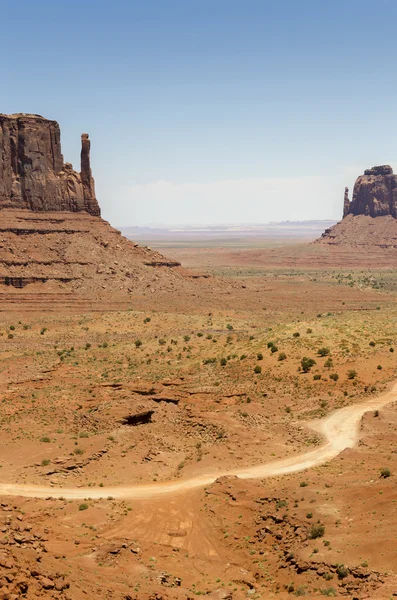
{"points": [[374, 194], [53, 241], [370, 218], [33, 174]]}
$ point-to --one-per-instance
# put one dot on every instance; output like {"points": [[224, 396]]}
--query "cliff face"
{"points": [[33, 174], [374, 194]]}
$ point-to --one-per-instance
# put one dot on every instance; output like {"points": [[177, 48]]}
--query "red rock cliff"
{"points": [[33, 174], [374, 194]]}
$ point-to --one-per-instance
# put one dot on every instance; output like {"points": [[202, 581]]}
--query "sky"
{"points": [[210, 111]]}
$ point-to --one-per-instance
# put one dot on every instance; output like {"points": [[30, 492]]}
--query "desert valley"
{"points": [[183, 421]]}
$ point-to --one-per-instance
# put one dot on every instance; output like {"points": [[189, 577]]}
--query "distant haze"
{"points": [[228, 235]]}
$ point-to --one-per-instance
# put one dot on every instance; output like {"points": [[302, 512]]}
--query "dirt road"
{"points": [[340, 430]]}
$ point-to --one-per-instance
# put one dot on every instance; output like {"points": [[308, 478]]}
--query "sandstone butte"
{"points": [[52, 237], [370, 218]]}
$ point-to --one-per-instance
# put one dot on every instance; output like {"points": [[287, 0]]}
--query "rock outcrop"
{"points": [[374, 194], [55, 250], [370, 218], [33, 174]]}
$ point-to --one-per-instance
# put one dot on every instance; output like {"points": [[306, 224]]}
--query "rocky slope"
{"points": [[52, 239], [370, 218]]}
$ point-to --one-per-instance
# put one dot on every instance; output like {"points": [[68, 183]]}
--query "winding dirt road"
{"points": [[340, 431]]}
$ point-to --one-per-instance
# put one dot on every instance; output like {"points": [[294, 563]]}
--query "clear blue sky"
{"points": [[210, 110]]}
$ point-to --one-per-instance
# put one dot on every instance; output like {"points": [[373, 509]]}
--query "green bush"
{"points": [[316, 531], [282, 356], [307, 363], [323, 351], [83, 506], [317, 377], [223, 362], [385, 472], [296, 334], [270, 344], [138, 343], [273, 349], [342, 571], [334, 376], [258, 369], [209, 361], [259, 356], [351, 374]]}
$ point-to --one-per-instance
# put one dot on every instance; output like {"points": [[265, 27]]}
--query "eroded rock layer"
{"points": [[33, 174], [370, 218], [52, 238], [374, 194]]}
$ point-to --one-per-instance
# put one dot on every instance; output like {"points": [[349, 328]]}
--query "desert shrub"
{"points": [[147, 320], [328, 363], [258, 369], [309, 330], [200, 334], [334, 376], [87, 346], [186, 338], [385, 472], [229, 327], [307, 363], [259, 356], [342, 571], [83, 506], [317, 377], [379, 367], [316, 531], [376, 413], [162, 342], [270, 344], [209, 361], [328, 592], [138, 343], [391, 350], [323, 351], [282, 356], [273, 349], [243, 356], [309, 515], [296, 334], [223, 362], [83, 434], [300, 591], [303, 484], [372, 343], [45, 462], [351, 374], [12, 327], [45, 440]]}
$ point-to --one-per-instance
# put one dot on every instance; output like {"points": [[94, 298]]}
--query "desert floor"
{"points": [[102, 404]]}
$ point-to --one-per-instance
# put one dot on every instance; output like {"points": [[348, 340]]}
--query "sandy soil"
{"points": [[165, 439]]}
